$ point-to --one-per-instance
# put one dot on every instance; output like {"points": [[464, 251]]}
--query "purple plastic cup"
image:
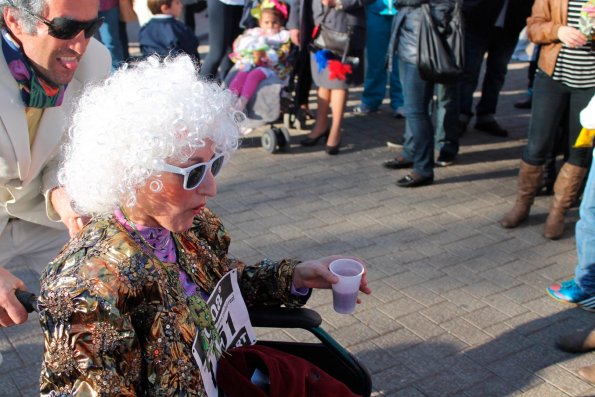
{"points": [[345, 291]]}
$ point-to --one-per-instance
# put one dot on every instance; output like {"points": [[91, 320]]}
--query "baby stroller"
{"points": [[273, 103], [328, 354]]}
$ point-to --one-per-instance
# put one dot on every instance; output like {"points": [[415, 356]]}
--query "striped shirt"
{"points": [[575, 67]]}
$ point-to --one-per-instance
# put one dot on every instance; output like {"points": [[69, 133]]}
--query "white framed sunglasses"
{"points": [[195, 174]]}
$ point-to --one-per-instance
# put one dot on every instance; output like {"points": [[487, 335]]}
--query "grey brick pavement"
{"points": [[458, 308]]}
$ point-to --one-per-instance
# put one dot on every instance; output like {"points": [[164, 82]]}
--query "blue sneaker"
{"points": [[569, 292]]}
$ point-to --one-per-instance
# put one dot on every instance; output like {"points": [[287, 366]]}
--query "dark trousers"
{"points": [[550, 100], [224, 27], [446, 113], [419, 131], [499, 45], [124, 41], [304, 77]]}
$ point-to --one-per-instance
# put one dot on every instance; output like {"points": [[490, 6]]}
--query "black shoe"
{"points": [[492, 128], [332, 150], [397, 163], [444, 159], [525, 104], [313, 141], [414, 180]]}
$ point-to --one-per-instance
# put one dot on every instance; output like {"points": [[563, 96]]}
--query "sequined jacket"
{"points": [[113, 323]]}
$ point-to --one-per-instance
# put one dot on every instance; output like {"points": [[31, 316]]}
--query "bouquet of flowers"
{"points": [[586, 23]]}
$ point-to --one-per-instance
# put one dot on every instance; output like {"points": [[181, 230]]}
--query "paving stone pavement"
{"points": [[459, 305]]}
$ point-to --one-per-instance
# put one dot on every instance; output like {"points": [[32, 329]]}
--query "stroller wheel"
{"points": [[269, 141], [283, 138]]}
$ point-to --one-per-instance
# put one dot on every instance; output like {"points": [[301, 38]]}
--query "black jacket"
{"points": [[405, 31], [480, 15]]}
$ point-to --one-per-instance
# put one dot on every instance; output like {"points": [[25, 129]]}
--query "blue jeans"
{"points": [[109, 35], [419, 134], [499, 47], [550, 100], [446, 114], [585, 239], [377, 40]]}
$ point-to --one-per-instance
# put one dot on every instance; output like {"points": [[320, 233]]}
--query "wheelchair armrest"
{"points": [[283, 317]]}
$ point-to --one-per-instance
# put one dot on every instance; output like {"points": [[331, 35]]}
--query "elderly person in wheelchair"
{"points": [[126, 307]]}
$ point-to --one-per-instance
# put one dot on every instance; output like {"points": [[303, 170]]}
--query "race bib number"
{"points": [[230, 315]]}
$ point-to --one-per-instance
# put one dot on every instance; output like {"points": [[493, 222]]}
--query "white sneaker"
{"points": [[363, 109], [393, 144]]}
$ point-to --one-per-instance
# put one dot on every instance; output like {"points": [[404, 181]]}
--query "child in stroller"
{"points": [[261, 52], [263, 71]]}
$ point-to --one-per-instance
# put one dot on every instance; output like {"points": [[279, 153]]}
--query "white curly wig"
{"points": [[160, 110]]}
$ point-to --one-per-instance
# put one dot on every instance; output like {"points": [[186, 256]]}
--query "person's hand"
{"points": [[572, 37], [328, 3], [294, 34], [61, 203], [11, 311], [316, 274]]}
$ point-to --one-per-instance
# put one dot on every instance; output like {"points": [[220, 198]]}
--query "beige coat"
{"points": [[542, 26], [28, 174]]}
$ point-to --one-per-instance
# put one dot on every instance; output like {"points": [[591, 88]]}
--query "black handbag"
{"points": [[440, 49], [331, 40]]}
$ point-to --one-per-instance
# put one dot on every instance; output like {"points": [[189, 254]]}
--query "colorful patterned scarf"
{"points": [[36, 92]]}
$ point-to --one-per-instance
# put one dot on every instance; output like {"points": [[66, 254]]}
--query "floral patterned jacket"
{"points": [[113, 323]]}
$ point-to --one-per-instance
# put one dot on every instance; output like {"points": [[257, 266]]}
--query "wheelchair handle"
{"points": [[28, 300]]}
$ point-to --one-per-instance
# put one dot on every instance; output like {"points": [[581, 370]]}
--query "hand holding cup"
{"points": [[317, 274]]}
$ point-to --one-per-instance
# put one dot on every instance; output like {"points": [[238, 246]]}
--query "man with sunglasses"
{"points": [[48, 54]]}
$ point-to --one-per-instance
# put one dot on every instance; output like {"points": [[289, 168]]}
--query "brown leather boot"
{"points": [[580, 341], [566, 188], [587, 373], [528, 182]]}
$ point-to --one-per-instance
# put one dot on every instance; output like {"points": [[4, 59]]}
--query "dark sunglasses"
{"points": [[66, 28], [194, 175]]}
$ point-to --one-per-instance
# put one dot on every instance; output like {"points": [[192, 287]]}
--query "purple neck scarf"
{"points": [[160, 240]]}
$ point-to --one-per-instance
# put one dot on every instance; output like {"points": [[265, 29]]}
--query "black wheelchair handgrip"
{"points": [[282, 317], [28, 300]]}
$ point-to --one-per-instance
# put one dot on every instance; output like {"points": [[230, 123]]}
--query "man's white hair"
{"points": [[121, 128]]}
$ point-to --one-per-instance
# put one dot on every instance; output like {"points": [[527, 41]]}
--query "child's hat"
{"points": [[268, 4]]}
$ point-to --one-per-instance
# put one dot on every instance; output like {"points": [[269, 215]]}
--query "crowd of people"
{"points": [[143, 224], [140, 243]]}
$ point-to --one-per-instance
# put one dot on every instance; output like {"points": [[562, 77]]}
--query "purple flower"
{"points": [[19, 70]]}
